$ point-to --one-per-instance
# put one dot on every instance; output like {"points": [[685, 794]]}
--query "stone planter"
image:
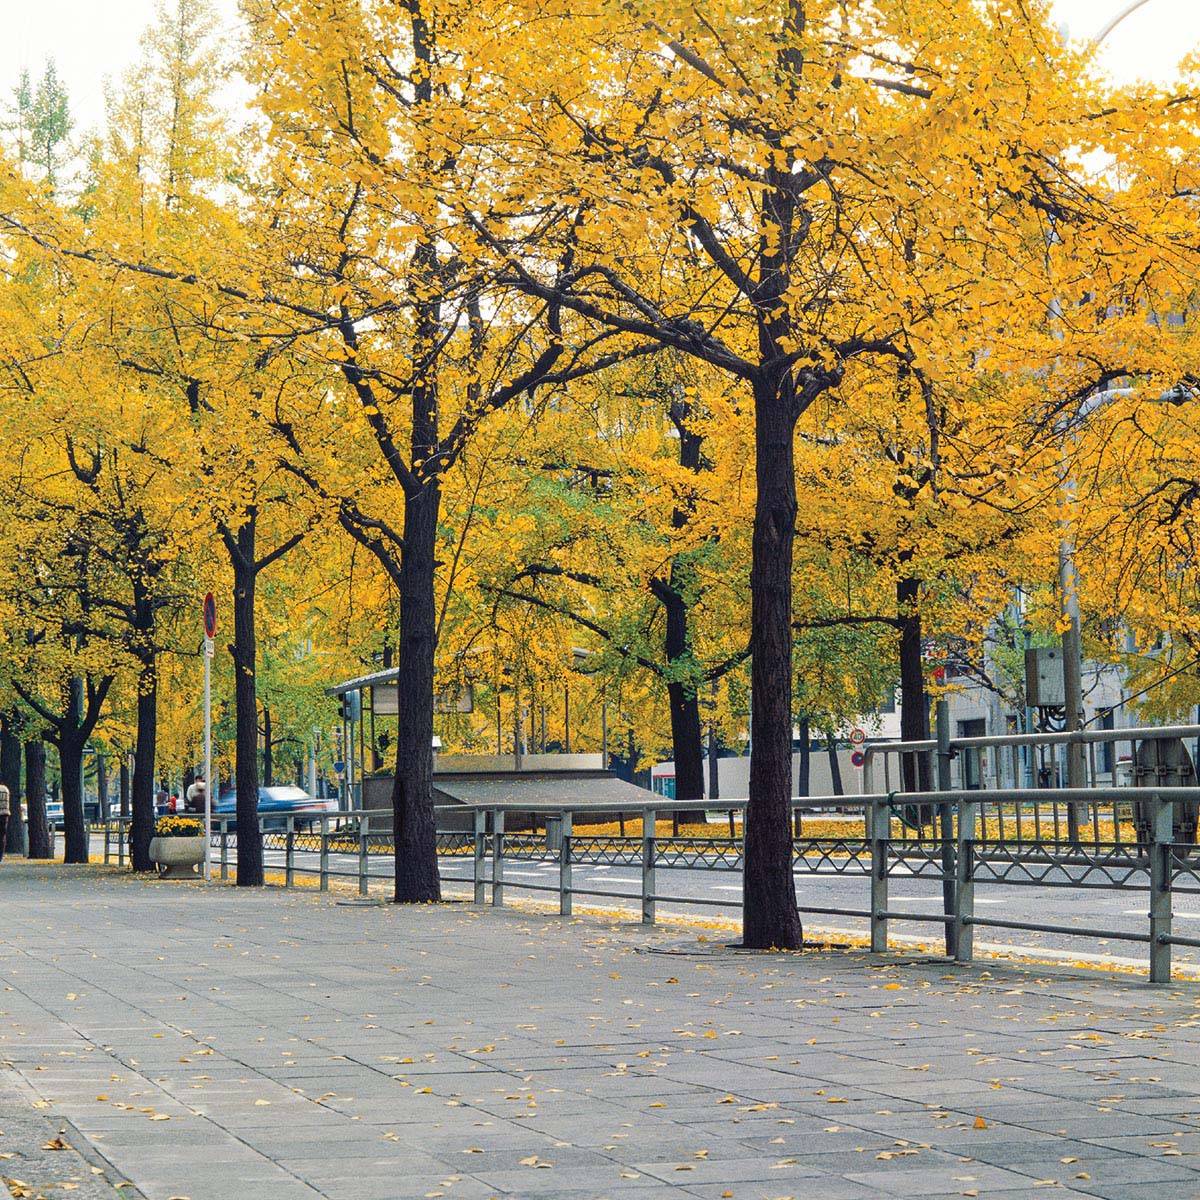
{"points": [[177, 857]]}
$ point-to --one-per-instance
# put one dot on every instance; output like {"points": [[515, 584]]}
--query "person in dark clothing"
{"points": [[194, 799]]}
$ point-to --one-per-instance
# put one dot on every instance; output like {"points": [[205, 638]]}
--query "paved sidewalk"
{"points": [[220, 1044], [40, 1156]]}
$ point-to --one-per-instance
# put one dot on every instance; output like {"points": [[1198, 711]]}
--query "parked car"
{"points": [[275, 805], [54, 814]]}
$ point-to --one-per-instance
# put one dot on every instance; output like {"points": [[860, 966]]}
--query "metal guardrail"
{"points": [[1132, 844], [1029, 755]]}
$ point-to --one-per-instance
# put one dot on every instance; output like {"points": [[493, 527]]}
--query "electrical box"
{"points": [[1044, 686]]}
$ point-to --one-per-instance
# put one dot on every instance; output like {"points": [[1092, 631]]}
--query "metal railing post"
{"points": [[289, 853], [649, 852], [964, 891], [324, 867], [945, 822], [564, 867], [364, 833], [224, 847], [879, 816], [498, 859], [480, 855], [1162, 816]]}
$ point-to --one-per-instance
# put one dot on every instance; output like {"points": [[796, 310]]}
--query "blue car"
{"points": [[275, 805]]}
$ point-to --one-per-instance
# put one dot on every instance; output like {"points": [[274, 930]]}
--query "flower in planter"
{"points": [[178, 827]]}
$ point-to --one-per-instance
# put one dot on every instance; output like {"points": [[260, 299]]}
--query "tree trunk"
{"points": [[268, 773], [102, 785], [686, 737], [249, 837], [142, 828], [769, 916], [714, 765], [35, 799], [70, 760], [835, 765], [416, 868], [804, 784], [123, 785], [915, 774], [10, 776]]}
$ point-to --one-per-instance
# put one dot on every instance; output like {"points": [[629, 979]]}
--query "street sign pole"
{"points": [[207, 760], [210, 630]]}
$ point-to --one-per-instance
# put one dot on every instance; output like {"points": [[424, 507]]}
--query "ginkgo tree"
{"points": [[736, 185]]}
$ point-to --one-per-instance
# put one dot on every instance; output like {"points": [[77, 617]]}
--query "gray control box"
{"points": [[1044, 686]]}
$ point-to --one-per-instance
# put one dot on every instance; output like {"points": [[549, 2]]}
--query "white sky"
{"points": [[91, 39]]}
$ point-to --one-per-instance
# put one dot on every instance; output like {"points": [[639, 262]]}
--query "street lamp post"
{"points": [[1129, 8]]}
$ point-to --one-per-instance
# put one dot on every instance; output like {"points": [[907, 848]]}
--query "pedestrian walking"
{"points": [[194, 798]]}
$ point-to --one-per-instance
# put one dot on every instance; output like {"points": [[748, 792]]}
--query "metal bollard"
{"points": [[324, 853], [224, 847], [498, 859], [964, 892], [364, 827], [480, 855], [879, 817], [649, 853], [565, 894], [1159, 849]]}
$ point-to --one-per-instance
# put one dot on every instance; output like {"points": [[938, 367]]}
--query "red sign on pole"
{"points": [[210, 616]]}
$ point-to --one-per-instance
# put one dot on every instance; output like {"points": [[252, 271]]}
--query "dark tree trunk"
{"points": [[123, 785], [142, 828], [714, 765], [10, 776], [35, 799], [249, 837], [688, 747], [803, 775], [416, 872], [835, 766], [102, 785], [268, 775], [914, 712], [916, 775], [804, 784], [71, 740], [70, 732], [686, 737], [770, 918]]}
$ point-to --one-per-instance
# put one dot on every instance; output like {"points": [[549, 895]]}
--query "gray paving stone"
{"points": [[270, 1028]]}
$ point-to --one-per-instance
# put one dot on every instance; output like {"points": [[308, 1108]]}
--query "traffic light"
{"points": [[350, 706]]}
